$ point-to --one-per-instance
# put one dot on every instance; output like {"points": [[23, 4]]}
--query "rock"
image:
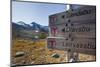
{"points": [[72, 60], [32, 62], [13, 65], [19, 54], [23, 61], [55, 55]]}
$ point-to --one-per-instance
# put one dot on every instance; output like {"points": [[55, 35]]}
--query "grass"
{"points": [[36, 52]]}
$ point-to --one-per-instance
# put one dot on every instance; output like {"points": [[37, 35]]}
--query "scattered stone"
{"points": [[23, 61], [72, 60], [19, 54], [55, 55], [13, 65], [32, 62]]}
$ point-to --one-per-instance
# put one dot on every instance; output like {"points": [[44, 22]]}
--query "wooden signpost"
{"points": [[75, 31]]}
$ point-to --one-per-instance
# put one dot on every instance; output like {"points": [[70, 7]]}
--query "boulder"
{"points": [[19, 54], [55, 55]]}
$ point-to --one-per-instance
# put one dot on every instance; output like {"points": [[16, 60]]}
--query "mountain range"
{"points": [[21, 29], [32, 26]]}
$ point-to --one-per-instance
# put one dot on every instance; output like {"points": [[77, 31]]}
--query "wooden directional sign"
{"points": [[75, 30]]}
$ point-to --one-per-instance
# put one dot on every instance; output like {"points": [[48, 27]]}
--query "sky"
{"points": [[35, 12]]}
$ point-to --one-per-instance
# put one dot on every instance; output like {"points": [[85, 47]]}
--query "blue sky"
{"points": [[34, 12]]}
